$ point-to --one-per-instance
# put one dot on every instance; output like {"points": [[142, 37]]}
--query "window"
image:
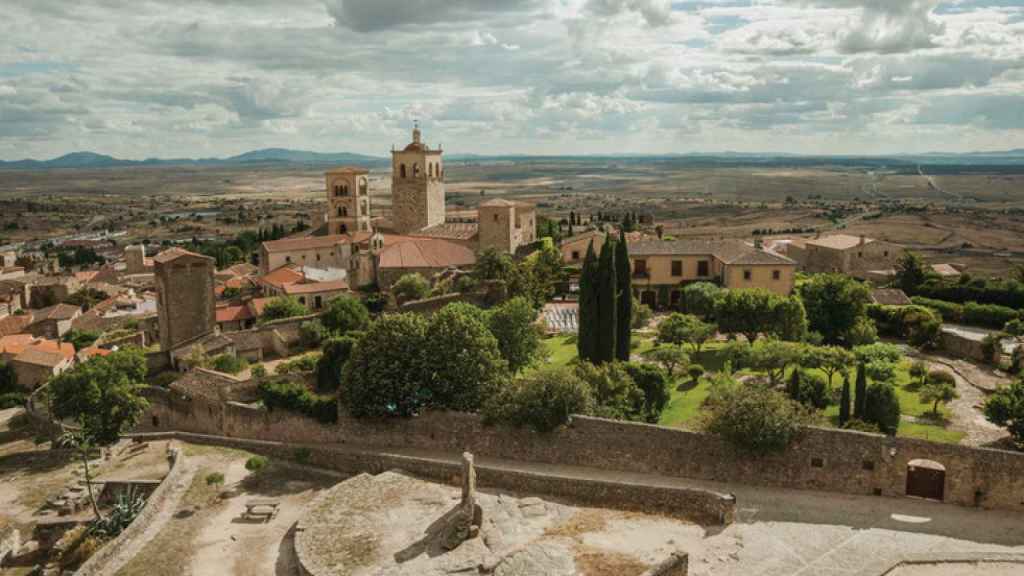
{"points": [[318, 302], [677, 267], [302, 300], [640, 268], [495, 217], [340, 214], [287, 258], [776, 274], [747, 274], [402, 171], [317, 256], [868, 465], [415, 169], [860, 254], [702, 268], [885, 254], [575, 255], [817, 463], [362, 186]]}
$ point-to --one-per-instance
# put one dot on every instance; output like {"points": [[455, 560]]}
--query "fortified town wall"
{"points": [[822, 459]]}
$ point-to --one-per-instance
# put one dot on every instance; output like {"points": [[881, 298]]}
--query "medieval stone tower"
{"points": [[185, 300], [417, 186], [348, 201]]}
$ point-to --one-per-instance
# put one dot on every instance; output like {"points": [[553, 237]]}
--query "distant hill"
{"points": [[265, 156], [976, 161]]}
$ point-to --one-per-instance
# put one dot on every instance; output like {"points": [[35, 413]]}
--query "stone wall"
{"points": [[961, 346], [823, 459], [703, 506], [107, 559]]}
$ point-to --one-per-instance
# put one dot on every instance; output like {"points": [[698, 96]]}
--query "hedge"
{"points": [[1009, 293], [295, 397], [951, 311], [971, 313]]}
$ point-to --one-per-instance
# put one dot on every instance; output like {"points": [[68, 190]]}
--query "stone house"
{"points": [[333, 251], [424, 256], [35, 360], [54, 322], [574, 248], [852, 255], [661, 268], [49, 290]]}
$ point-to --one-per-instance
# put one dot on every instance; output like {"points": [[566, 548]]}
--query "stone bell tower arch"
{"points": [[417, 186]]}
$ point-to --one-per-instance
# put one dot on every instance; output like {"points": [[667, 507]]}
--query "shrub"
{"points": [[283, 307], [1006, 408], [345, 314], [861, 426], [256, 463], [991, 348], [616, 395], [228, 364], [654, 383], [941, 377], [387, 373], [695, 371], [642, 315], [809, 389], [542, 400], [988, 315], [1017, 359], [950, 311], [300, 364], [862, 333], [1014, 327], [303, 455], [295, 397], [1009, 293], [214, 479], [754, 418], [919, 371], [513, 326], [329, 367], [311, 333], [410, 287], [882, 408], [259, 371], [12, 400]]}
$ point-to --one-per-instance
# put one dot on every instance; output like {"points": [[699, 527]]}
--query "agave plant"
{"points": [[126, 508]]}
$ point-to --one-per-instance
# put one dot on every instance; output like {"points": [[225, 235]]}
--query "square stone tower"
{"points": [[348, 201], [185, 300], [417, 186]]}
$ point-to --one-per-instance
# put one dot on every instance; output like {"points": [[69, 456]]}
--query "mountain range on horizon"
{"points": [[86, 159]]}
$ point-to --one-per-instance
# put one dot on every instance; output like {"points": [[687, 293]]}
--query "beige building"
{"points": [[186, 304], [417, 186], [334, 251], [505, 225], [662, 268], [136, 261], [852, 255], [348, 201], [574, 248]]}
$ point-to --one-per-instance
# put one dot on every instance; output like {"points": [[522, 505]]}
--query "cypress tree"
{"points": [[588, 306], [793, 386], [862, 390], [623, 275], [844, 401], [607, 312]]}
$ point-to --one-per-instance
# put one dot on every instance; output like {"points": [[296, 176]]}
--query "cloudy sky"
{"points": [[196, 78]]}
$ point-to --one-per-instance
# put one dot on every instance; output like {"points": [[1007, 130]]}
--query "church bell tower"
{"points": [[417, 186]]}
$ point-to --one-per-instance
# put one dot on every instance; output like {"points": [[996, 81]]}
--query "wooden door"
{"points": [[926, 482]]}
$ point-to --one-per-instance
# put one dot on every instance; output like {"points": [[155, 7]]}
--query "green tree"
{"points": [[834, 303], [860, 397], [466, 366], [586, 342], [910, 273], [8, 378], [699, 299], [388, 372], [513, 324], [682, 329], [789, 320], [754, 418], [607, 304], [919, 371], [880, 360], [882, 407], [345, 314], [544, 400], [940, 387], [829, 359], [1005, 407], [844, 402], [751, 312], [642, 315], [312, 333], [330, 366], [737, 355], [102, 396], [283, 307], [774, 356], [863, 332], [624, 292], [410, 287], [670, 358]]}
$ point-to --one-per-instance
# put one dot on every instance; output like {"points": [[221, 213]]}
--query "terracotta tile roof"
{"points": [[243, 269], [91, 351], [258, 304], [838, 241], [945, 270], [727, 251], [38, 357], [233, 313], [757, 257], [15, 344], [314, 287], [426, 253], [890, 297], [15, 324], [282, 277], [57, 312], [86, 276], [449, 231], [172, 254], [307, 243]]}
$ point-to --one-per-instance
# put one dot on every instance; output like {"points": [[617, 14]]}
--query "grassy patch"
{"points": [[931, 432]]}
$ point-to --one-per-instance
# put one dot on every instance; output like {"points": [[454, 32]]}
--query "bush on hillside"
{"points": [[754, 418], [283, 394], [542, 400]]}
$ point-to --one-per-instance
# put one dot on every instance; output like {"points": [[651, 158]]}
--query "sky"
{"points": [[204, 78]]}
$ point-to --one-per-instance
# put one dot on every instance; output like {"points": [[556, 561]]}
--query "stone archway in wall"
{"points": [[926, 479]]}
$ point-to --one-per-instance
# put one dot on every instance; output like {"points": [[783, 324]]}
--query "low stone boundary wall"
{"points": [[10, 542], [104, 561], [696, 504], [885, 567]]}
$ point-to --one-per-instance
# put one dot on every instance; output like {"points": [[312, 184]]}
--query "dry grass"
{"points": [[591, 562], [582, 522]]}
